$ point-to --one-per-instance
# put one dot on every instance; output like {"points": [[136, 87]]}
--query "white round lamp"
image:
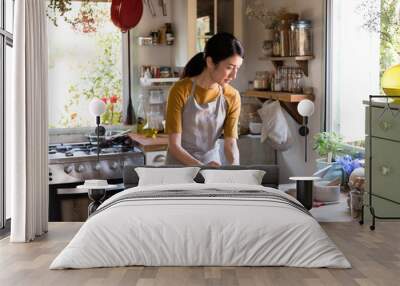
{"points": [[305, 109], [97, 107]]}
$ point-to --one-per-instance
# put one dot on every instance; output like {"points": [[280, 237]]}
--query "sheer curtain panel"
{"points": [[27, 123]]}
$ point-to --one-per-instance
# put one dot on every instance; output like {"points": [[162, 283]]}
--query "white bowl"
{"points": [[255, 127], [323, 193]]}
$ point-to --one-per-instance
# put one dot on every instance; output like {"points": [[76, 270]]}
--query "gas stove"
{"points": [[77, 162]]}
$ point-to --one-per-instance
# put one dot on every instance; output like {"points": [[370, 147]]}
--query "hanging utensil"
{"points": [[149, 4], [163, 5]]}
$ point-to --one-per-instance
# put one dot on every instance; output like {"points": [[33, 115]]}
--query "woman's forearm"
{"points": [[183, 156], [231, 151]]}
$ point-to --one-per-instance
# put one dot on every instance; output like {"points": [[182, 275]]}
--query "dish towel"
{"points": [[275, 129]]}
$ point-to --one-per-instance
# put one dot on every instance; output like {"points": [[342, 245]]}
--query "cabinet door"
{"points": [[385, 169]]}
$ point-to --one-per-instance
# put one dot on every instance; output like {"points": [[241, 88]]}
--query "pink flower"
{"points": [[104, 99]]}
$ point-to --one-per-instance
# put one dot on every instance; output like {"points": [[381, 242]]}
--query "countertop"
{"points": [[160, 143]]}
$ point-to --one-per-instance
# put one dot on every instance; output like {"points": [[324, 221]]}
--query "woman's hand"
{"points": [[213, 164]]}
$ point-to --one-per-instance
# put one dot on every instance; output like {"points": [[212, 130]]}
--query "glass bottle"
{"points": [[141, 115]]}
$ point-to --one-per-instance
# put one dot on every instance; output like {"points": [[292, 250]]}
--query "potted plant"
{"points": [[328, 145]]}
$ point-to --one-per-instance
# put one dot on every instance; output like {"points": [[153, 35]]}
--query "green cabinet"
{"points": [[382, 161]]}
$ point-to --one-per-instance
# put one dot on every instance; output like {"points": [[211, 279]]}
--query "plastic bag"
{"points": [[275, 129]]}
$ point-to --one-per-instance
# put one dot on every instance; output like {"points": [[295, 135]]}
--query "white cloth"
{"points": [[26, 127], [275, 129], [190, 230]]}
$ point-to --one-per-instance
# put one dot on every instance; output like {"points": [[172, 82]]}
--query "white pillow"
{"points": [[248, 177], [166, 176]]}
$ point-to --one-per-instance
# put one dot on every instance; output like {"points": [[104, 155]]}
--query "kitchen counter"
{"points": [[149, 144]]}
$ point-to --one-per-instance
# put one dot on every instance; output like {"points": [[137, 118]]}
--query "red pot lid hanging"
{"points": [[126, 14]]}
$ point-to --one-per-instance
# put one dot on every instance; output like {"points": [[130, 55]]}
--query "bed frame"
{"points": [[270, 179]]}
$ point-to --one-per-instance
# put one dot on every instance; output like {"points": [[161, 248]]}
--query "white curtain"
{"points": [[26, 129]]}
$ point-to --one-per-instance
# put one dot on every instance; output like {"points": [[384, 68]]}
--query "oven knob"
{"points": [[79, 168], [97, 167], [68, 169], [114, 165]]}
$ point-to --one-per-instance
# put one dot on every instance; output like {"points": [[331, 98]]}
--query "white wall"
{"points": [[292, 161]]}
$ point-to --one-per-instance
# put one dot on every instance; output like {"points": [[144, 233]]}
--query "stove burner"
{"points": [[63, 148]]}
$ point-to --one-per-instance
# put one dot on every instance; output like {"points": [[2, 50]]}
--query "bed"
{"points": [[201, 224]]}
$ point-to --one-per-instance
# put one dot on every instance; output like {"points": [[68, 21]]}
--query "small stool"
{"points": [[304, 190]]}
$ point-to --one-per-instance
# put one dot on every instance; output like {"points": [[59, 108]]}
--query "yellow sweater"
{"points": [[179, 95]]}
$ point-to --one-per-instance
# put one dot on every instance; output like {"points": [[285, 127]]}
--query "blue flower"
{"points": [[348, 164]]}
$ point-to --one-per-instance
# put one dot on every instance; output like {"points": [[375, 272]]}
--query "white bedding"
{"points": [[200, 231]]}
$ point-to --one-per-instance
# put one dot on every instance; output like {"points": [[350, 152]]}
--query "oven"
{"points": [[71, 164]]}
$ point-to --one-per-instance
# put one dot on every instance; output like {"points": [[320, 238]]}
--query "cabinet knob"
{"points": [[159, 158], [385, 125], [385, 170]]}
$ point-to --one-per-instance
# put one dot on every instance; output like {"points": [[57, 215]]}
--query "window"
{"points": [[352, 69], [6, 43], [363, 39], [84, 62]]}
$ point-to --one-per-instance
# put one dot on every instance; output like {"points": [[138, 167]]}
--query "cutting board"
{"points": [[148, 144]]}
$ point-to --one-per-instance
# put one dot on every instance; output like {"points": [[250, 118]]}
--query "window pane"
{"points": [[9, 15], [354, 67], [84, 63], [8, 79]]}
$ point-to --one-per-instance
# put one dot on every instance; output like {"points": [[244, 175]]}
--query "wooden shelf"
{"points": [[288, 101], [302, 61], [281, 96], [296, 58], [149, 81]]}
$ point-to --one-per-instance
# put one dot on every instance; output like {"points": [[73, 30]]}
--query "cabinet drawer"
{"points": [[384, 125], [385, 169]]}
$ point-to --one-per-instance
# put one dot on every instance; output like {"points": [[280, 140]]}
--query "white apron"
{"points": [[202, 125]]}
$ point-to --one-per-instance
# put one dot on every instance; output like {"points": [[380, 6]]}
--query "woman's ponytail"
{"points": [[195, 66]]}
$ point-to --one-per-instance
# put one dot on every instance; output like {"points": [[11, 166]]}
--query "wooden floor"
{"points": [[375, 257]]}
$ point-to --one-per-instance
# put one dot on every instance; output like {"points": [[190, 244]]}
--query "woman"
{"points": [[202, 105]]}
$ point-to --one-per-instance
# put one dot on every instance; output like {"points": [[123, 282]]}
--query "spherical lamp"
{"points": [[97, 107], [391, 82], [305, 108]]}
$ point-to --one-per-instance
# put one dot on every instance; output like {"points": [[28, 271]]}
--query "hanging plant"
{"points": [[87, 19]]}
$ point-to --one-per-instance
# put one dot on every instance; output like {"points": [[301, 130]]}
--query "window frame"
{"points": [[6, 39]]}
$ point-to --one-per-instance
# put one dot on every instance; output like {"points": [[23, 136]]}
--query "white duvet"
{"points": [[200, 231]]}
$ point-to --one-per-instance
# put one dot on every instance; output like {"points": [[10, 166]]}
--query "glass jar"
{"points": [[303, 37], [284, 32], [261, 82]]}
